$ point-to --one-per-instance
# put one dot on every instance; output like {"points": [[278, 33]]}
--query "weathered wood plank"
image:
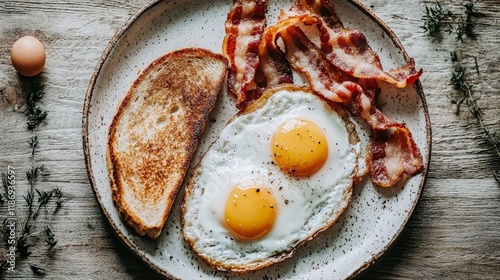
{"points": [[453, 233]]}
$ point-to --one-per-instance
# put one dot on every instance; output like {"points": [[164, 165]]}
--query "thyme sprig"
{"points": [[36, 198], [465, 95], [437, 19], [35, 114], [33, 142], [43, 199], [51, 237]]}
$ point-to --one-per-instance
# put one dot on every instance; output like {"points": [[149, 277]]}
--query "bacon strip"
{"points": [[307, 59], [244, 25], [344, 69], [392, 151], [273, 63], [348, 49], [321, 8]]}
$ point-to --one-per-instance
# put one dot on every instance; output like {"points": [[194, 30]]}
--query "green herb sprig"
{"points": [[465, 95], [36, 198], [437, 19], [36, 115]]}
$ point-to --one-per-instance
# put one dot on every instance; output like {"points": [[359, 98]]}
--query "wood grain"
{"points": [[454, 232]]}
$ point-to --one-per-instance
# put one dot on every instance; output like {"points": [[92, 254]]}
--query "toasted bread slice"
{"points": [[155, 132]]}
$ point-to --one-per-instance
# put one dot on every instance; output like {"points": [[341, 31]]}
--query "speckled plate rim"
{"points": [[86, 148]]}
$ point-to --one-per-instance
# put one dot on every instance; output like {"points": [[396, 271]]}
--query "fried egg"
{"points": [[280, 172]]}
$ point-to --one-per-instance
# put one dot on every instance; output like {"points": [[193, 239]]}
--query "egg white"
{"points": [[242, 156]]}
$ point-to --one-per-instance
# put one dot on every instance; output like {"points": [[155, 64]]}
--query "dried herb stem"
{"points": [[437, 19], [465, 94], [35, 198]]}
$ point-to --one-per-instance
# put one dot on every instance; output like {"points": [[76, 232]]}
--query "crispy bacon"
{"points": [[343, 69], [307, 59], [321, 8], [392, 151], [347, 49], [244, 25], [273, 63]]}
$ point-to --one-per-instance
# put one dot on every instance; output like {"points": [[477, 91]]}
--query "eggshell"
{"points": [[28, 56]]}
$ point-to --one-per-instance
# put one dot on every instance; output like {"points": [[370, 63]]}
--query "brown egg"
{"points": [[28, 56]]}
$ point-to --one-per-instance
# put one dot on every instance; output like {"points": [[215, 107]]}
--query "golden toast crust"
{"points": [[155, 133]]}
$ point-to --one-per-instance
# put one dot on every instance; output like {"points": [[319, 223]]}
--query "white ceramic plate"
{"points": [[366, 230]]}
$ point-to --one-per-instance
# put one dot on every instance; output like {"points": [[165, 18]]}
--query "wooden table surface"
{"points": [[454, 232]]}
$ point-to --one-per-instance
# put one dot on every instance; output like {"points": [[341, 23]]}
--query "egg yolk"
{"points": [[250, 212], [299, 147]]}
